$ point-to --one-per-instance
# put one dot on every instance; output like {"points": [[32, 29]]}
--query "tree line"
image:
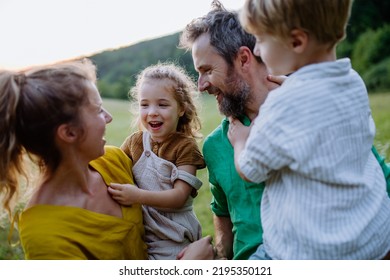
{"points": [[367, 44]]}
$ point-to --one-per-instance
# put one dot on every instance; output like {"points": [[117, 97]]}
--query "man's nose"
{"points": [[203, 83]]}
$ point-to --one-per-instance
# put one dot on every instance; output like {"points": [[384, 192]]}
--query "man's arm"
{"points": [[223, 237]]}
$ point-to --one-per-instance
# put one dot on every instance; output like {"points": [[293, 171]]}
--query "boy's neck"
{"points": [[317, 53]]}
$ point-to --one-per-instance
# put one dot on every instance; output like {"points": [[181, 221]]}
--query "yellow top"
{"points": [[65, 232]]}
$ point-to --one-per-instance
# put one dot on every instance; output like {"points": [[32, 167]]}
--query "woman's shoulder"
{"points": [[114, 166], [113, 156]]}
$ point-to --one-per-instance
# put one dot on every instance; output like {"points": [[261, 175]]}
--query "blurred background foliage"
{"points": [[367, 44]]}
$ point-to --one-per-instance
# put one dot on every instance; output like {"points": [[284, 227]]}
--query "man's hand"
{"points": [[201, 249]]}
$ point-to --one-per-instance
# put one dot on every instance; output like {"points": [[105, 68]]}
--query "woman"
{"points": [[54, 114]]}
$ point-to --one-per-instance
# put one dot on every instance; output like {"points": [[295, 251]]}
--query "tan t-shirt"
{"points": [[178, 149]]}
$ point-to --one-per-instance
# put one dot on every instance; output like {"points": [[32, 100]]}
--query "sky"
{"points": [[37, 32]]}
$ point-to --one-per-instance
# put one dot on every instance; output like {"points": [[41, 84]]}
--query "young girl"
{"points": [[165, 157]]}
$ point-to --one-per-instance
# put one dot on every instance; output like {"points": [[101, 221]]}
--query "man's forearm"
{"points": [[223, 239]]}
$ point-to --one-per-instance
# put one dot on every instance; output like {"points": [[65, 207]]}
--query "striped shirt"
{"points": [[325, 194]]}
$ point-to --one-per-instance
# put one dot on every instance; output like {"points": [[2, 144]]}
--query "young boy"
{"points": [[325, 194]]}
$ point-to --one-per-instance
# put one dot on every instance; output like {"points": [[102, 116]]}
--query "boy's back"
{"points": [[325, 189], [325, 194]]}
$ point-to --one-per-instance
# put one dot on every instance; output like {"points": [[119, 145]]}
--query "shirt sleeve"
{"points": [[189, 154], [133, 146], [219, 204], [267, 149], [125, 147], [280, 137]]}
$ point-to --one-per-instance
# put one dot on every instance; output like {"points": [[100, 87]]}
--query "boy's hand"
{"points": [[276, 79], [238, 133]]}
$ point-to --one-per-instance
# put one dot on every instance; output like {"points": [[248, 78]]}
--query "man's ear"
{"points": [[244, 57], [299, 40], [67, 133]]}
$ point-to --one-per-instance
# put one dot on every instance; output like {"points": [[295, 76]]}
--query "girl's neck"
{"points": [[161, 139]]}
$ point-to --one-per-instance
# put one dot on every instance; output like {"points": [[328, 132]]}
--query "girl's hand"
{"points": [[125, 194]]}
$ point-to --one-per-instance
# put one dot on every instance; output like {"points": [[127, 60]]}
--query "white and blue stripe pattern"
{"points": [[325, 194]]}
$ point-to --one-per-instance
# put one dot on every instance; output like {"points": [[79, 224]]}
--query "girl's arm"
{"points": [[127, 194]]}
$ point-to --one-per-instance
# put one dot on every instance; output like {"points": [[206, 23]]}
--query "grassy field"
{"points": [[120, 128]]}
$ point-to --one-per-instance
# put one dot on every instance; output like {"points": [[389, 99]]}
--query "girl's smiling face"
{"points": [[159, 110]]}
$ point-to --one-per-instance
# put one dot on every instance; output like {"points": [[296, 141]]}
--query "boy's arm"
{"points": [[238, 134]]}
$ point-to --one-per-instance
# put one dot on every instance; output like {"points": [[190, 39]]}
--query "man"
{"points": [[223, 56]]}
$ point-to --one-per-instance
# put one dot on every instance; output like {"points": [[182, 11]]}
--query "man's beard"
{"points": [[234, 101]]}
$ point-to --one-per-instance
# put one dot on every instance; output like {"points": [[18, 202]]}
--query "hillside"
{"points": [[117, 68]]}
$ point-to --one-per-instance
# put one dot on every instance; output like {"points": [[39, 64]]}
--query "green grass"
{"points": [[380, 106], [120, 128]]}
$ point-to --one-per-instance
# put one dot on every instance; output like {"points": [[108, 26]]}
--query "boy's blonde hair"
{"points": [[325, 20], [184, 91]]}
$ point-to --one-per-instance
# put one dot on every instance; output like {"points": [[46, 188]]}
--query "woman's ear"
{"points": [[67, 133], [299, 40]]}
